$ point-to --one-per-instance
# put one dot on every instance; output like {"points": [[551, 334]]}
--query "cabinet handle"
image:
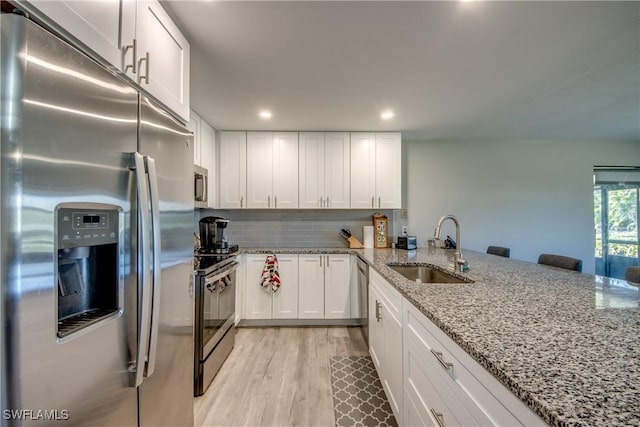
{"points": [[321, 257], [133, 46], [328, 202], [321, 204], [268, 201], [446, 365], [275, 201], [241, 201], [379, 202], [146, 72], [438, 416], [378, 311], [373, 202]]}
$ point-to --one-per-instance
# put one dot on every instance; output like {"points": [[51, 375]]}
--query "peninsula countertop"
{"points": [[566, 343]]}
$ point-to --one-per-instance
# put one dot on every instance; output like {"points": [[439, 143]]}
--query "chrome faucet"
{"points": [[459, 262]]}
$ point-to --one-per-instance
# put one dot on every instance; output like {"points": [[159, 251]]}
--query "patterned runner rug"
{"points": [[358, 396]]}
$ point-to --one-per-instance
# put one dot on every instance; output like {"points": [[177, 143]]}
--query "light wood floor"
{"points": [[278, 377]]}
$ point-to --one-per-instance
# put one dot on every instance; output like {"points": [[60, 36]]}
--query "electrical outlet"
{"points": [[404, 213], [404, 229]]}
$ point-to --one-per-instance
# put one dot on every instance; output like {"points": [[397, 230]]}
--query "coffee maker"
{"points": [[212, 238]]}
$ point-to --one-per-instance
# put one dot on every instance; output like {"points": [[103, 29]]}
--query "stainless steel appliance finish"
{"points": [[215, 315], [69, 140], [363, 296], [200, 186]]}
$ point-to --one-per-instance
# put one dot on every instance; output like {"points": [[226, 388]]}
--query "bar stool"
{"points": [[560, 261], [632, 274], [499, 250]]}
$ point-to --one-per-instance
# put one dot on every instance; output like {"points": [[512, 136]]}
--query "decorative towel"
{"points": [[270, 278]]}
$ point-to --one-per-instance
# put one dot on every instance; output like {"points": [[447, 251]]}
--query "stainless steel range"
{"points": [[215, 306]]}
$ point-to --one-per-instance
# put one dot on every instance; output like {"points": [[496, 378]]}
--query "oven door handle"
{"points": [[226, 272]]}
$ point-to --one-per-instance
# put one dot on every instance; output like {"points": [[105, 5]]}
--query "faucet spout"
{"points": [[460, 263]]}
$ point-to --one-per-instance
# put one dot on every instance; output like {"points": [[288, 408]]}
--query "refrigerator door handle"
{"points": [[144, 252], [155, 227]]}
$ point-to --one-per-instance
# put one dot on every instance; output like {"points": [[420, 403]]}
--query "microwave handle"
{"points": [[199, 187], [205, 189]]}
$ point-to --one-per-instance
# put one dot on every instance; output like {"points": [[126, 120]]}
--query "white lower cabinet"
{"points": [[428, 379], [325, 286], [443, 385], [311, 291], [337, 286], [385, 338], [263, 303]]}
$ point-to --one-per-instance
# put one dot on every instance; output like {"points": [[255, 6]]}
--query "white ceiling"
{"points": [[449, 70]]}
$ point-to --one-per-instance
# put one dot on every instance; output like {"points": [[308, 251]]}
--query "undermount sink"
{"points": [[427, 274]]}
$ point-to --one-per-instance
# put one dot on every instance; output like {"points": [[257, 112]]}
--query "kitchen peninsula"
{"points": [[565, 343]]}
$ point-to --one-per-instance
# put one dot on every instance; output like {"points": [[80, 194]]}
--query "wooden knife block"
{"points": [[354, 243]]}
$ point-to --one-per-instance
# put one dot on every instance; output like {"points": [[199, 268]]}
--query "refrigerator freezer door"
{"points": [[170, 372], [67, 129]]}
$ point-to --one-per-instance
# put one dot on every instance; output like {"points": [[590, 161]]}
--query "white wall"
{"points": [[531, 196]]}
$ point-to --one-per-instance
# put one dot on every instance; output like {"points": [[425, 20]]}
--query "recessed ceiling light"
{"points": [[386, 115], [265, 114]]}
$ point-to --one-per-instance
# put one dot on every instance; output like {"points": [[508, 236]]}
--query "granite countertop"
{"points": [[566, 343]]}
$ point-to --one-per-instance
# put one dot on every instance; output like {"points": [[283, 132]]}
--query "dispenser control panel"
{"points": [[87, 227]]}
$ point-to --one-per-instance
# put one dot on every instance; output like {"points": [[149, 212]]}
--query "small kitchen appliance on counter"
{"points": [[212, 238], [215, 282], [407, 242]]}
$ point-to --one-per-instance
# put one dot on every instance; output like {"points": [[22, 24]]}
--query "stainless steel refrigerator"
{"points": [[96, 250]]}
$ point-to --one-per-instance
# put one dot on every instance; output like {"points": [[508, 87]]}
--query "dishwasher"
{"points": [[363, 297]]}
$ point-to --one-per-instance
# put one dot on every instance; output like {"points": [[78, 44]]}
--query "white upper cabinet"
{"points": [[162, 57], [376, 170], [94, 23], [233, 170], [272, 170], [137, 38], [311, 163], [259, 169], [388, 170], [324, 170], [363, 155], [285, 170], [208, 160]]}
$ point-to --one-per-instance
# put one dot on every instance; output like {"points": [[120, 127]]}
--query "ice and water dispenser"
{"points": [[88, 265]]}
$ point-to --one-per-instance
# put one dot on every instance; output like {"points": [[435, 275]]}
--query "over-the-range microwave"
{"points": [[200, 186]]}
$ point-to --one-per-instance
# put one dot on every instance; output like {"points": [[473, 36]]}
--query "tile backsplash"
{"points": [[298, 228]]}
